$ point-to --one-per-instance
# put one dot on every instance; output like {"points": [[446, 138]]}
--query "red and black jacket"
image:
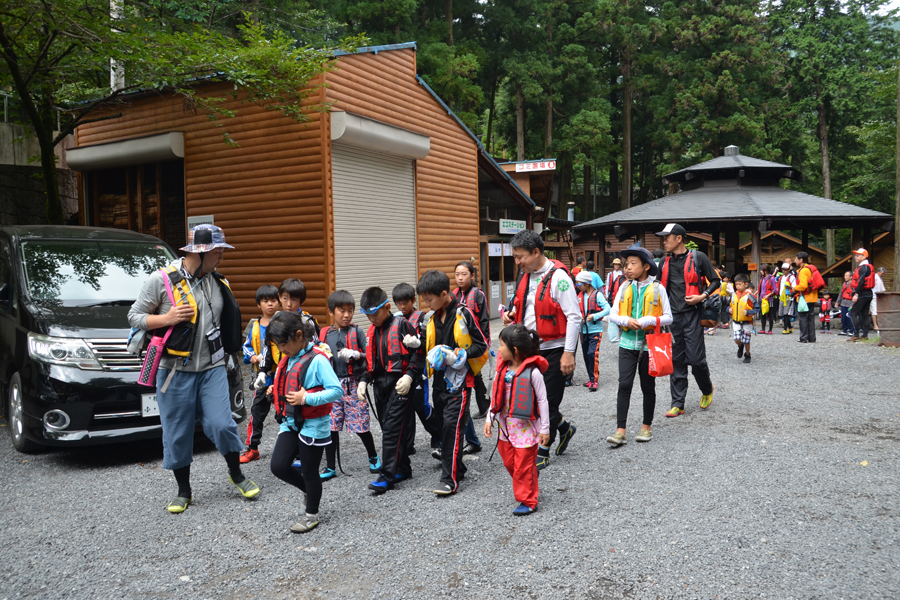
{"points": [[549, 317], [524, 403], [292, 380], [352, 339], [691, 275], [385, 352]]}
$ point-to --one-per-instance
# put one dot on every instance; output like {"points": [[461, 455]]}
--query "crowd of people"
{"points": [[427, 364]]}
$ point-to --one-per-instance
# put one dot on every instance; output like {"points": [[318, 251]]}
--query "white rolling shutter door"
{"points": [[374, 221]]}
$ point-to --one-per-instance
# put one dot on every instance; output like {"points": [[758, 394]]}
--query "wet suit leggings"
{"points": [[306, 479]]}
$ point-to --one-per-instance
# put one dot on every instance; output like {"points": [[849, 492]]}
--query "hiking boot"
{"points": [[249, 455], [706, 399], [740, 352], [374, 464], [306, 523], [522, 510], [247, 488], [675, 412], [179, 504], [617, 439], [746, 359], [564, 439], [327, 474], [644, 436], [381, 485], [443, 490]]}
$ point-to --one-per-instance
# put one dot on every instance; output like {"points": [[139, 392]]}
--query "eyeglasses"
{"points": [[373, 310]]}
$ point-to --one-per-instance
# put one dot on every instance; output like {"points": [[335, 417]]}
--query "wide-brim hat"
{"points": [[645, 255], [204, 238]]}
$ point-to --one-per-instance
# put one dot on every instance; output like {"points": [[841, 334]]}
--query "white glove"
{"points": [[403, 385], [347, 355], [361, 390], [411, 341], [449, 355], [260, 381]]}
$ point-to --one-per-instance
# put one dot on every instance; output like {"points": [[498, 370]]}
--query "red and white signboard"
{"points": [[542, 165]]}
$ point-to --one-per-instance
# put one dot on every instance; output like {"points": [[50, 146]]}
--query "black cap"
{"points": [[672, 229], [645, 256]]}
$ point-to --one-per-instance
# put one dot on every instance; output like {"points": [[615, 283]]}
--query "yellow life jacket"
{"points": [[463, 340], [180, 290], [740, 304], [256, 342], [650, 307]]}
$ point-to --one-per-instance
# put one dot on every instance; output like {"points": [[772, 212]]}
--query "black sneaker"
{"points": [[471, 449], [542, 462], [740, 351], [436, 453], [443, 490], [564, 440], [747, 359]]}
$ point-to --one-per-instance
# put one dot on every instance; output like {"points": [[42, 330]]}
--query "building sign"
{"points": [[204, 220], [495, 291], [510, 291], [494, 249], [538, 165], [511, 226], [507, 251]]}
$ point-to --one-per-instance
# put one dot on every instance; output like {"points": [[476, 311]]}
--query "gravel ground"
{"points": [[785, 488]]}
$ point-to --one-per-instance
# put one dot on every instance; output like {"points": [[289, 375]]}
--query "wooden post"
{"points": [[855, 239], [159, 217], [867, 240], [717, 251], [601, 255], [732, 241], [804, 242], [756, 253]]}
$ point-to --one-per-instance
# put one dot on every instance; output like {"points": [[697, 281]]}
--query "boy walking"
{"points": [[594, 307], [456, 351], [392, 368], [254, 354], [742, 309], [635, 309]]}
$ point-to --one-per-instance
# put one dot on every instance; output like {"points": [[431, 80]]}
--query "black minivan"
{"points": [[68, 379]]}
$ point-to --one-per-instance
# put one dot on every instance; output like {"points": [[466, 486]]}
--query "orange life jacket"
{"points": [[548, 314], [868, 282]]}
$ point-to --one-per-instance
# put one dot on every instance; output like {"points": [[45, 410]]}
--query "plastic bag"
{"points": [[802, 306], [765, 306], [659, 345]]}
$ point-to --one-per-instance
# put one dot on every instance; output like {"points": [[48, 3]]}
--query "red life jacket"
{"points": [[285, 380], [524, 404], [549, 316], [614, 288], [352, 341], [415, 319], [868, 282], [592, 307], [397, 359], [847, 291], [467, 299], [691, 276]]}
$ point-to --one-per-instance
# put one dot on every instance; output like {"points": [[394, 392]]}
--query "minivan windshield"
{"points": [[89, 272]]}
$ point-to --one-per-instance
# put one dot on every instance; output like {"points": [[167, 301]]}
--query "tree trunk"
{"points": [[613, 185], [627, 96], [896, 285], [490, 127], [520, 123], [826, 167], [449, 14], [565, 183], [548, 128], [586, 212]]}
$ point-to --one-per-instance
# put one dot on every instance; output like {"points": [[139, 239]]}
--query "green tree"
{"points": [[57, 57]]}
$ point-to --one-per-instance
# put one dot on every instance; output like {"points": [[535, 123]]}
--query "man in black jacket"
{"points": [[689, 279], [862, 295]]}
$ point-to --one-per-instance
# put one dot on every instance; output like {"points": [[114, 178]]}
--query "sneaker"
{"points": [[443, 490], [471, 448], [374, 464], [675, 412], [593, 387], [569, 383], [785, 331], [327, 474], [740, 351], [306, 523], [564, 439], [587, 384], [853, 339], [398, 477], [617, 439], [179, 504], [542, 462], [296, 464], [522, 510], [381, 485], [249, 455], [706, 399], [436, 454], [747, 359], [644, 436], [247, 488]]}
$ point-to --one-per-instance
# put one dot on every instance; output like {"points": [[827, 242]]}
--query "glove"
{"points": [[411, 341], [260, 381], [449, 355], [403, 385], [361, 390], [347, 355]]}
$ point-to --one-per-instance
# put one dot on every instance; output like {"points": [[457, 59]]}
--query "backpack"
{"points": [[816, 282]]}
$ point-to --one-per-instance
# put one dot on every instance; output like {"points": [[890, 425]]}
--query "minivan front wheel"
{"points": [[15, 417]]}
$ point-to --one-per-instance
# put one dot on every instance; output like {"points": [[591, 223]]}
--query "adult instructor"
{"points": [[546, 302], [191, 382], [682, 273]]}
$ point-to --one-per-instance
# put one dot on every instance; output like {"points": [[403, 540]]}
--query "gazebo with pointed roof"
{"points": [[734, 193]]}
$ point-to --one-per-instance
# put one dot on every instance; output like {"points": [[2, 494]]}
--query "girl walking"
{"points": [[519, 403], [304, 390]]}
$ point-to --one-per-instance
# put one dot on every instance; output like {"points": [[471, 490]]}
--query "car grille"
{"points": [[113, 355]]}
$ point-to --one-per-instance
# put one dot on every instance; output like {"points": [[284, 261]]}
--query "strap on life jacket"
{"points": [[691, 276], [181, 340], [352, 341], [524, 404], [397, 359]]}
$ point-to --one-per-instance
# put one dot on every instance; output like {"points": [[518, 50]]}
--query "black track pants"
{"points": [[688, 349], [397, 417]]}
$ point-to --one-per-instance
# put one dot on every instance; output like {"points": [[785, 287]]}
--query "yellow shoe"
{"points": [[247, 488], [179, 504], [706, 399], [675, 412]]}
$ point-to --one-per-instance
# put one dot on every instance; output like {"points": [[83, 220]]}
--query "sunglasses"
{"points": [[373, 310]]}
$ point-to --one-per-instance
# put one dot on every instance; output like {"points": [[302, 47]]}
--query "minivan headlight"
{"points": [[70, 352]]}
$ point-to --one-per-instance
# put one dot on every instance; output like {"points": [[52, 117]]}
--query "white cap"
{"points": [[584, 277], [786, 265]]}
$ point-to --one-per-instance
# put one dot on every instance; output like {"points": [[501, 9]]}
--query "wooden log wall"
{"points": [[266, 193], [383, 87]]}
